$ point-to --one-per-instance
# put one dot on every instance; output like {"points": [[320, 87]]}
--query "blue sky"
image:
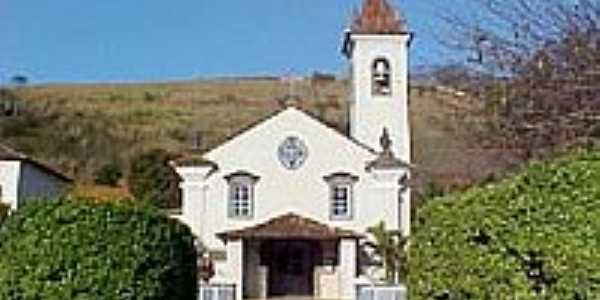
{"points": [[152, 40]]}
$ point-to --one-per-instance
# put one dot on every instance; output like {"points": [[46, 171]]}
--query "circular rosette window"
{"points": [[292, 153]]}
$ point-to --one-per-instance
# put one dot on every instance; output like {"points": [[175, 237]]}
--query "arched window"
{"points": [[381, 81]]}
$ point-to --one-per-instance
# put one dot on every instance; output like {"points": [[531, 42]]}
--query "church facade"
{"points": [[283, 208]]}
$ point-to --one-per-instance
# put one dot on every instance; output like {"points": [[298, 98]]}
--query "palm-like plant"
{"points": [[388, 250]]}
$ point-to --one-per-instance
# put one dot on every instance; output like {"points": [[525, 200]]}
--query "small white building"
{"points": [[284, 206], [23, 178]]}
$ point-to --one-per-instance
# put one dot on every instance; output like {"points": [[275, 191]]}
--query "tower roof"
{"points": [[378, 17]]}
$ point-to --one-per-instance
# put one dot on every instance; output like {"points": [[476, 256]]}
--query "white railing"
{"points": [[381, 292], [216, 292]]}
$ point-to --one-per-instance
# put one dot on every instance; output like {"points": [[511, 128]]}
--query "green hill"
{"points": [[79, 128]]}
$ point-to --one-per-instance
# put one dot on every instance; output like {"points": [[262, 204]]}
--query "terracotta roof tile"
{"points": [[378, 17], [290, 226]]}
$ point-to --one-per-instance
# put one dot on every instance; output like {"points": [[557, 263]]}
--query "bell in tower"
{"points": [[381, 83]]}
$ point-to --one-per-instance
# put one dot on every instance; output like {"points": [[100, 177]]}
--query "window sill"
{"points": [[235, 218], [341, 218]]}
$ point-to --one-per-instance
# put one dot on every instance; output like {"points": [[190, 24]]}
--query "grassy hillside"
{"points": [[79, 128]]}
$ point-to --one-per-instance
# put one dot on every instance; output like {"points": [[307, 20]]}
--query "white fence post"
{"points": [[381, 292], [216, 292]]}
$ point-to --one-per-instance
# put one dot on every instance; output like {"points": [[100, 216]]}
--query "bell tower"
{"points": [[377, 46]]}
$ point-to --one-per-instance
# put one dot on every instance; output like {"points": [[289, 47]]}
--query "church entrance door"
{"points": [[291, 266]]}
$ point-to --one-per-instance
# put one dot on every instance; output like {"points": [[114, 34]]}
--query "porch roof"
{"points": [[290, 226]]}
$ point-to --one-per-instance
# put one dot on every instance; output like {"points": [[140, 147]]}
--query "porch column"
{"points": [[235, 260], [347, 267]]}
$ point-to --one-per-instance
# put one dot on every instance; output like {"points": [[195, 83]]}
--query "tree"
{"points": [[151, 178], [19, 80], [541, 61], [9, 102], [63, 249], [532, 236], [4, 210], [388, 248], [109, 174]]}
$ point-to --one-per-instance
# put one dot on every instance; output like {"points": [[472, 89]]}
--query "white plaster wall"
{"points": [[279, 190], [234, 267], [9, 180], [348, 254], [405, 212], [193, 200], [36, 184], [327, 282], [370, 114]]}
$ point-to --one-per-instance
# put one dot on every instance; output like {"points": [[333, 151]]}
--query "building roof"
{"points": [[193, 160], [7, 153], [386, 160], [378, 17], [290, 226]]}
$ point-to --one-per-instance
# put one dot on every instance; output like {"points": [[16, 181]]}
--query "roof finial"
{"points": [[385, 141]]}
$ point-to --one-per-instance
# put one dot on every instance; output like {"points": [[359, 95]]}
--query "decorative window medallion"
{"points": [[292, 153]]}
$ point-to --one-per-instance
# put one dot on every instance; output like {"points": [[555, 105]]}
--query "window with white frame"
{"points": [[241, 194], [341, 200]]}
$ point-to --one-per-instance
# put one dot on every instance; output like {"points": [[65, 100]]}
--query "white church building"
{"points": [[284, 206]]}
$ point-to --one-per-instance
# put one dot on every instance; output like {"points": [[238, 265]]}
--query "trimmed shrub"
{"points": [[533, 236], [79, 250], [109, 175]]}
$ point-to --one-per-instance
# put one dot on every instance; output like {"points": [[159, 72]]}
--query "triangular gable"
{"points": [[295, 114]]}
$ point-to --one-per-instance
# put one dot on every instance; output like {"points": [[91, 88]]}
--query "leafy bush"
{"points": [[109, 174], [151, 178], [533, 236], [79, 250]]}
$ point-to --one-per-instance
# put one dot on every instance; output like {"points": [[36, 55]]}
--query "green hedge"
{"points": [[533, 236], [79, 250]]}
